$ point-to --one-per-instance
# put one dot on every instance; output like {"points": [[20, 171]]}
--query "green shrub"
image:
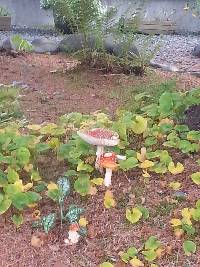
{"points": [[9, 105], [4, 12], [74, 15]]}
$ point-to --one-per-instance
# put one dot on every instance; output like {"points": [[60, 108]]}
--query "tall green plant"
{"points": [[80, 15]]}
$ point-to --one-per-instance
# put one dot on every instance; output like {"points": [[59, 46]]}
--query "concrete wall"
{"points": [[27, 12], [161, 10]]}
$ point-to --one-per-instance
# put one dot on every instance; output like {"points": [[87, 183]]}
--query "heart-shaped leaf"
{"points": [[135, 262], [17, 219], [139, 126], [152, 243], [133, 215], [109, 201], [196, 178], [189, 247], [179, 168]]}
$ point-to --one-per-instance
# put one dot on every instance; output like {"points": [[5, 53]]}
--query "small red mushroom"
{"points": [[109, 162]]}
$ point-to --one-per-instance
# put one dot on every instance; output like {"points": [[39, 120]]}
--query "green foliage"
{"points": [[48, 222], [172, 104], [9, 105], [20, 44], [78, 16], [189, 247], [4, 12], [149, 251]]}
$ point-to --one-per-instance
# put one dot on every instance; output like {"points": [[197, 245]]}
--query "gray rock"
{"points": [[165, 67], [44, 45], [196, 51], [180, 194], [109, 44], [120, 51], [75, 42], [1, 45], [7, 44]]}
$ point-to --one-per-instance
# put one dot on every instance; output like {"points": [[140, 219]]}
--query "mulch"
{"points": [[54, 89]]}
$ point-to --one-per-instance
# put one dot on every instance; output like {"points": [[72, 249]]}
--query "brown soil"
{"points": [[193, 117], [55, 88], [52, 94]]}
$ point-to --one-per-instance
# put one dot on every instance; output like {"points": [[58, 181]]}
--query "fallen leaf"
{"points": [[109, 201], [91, 231], [146, 164], [92, 191], [52, 186], [178, 233], [175, 185], [179, 168], [83, 222], [36, 214], [36, 241], [175, 222]]}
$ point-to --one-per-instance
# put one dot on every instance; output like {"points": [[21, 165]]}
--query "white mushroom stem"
{"points": [[108, 175], [100, 151], [119, 157]]}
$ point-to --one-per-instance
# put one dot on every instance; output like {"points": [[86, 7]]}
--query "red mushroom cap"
{"points": [[108, 160], [74, 227], [100, 137]]}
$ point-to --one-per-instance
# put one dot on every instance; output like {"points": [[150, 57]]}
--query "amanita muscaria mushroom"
{"points": [[109, 162], [100, 137]]}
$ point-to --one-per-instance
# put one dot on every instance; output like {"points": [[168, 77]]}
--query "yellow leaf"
{"points": [[36, 215], [133, 215], [153, 265], [28, 167], [135, 262], [19, 185], [35, 176], [179, 168], [34, 127], [52, 186], [175, 185], [83, 222], [54, 142], [146, 164], [32, 206], [175, 222], [187, 215], [139, 126], [146, 174], [109, 201], [178, 233], [97, 181], [166, 121], [142, 155], [27, 187], [159, 252], [92, 191]]}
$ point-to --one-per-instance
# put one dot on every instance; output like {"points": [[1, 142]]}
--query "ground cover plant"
{"points": [[151, 137]]}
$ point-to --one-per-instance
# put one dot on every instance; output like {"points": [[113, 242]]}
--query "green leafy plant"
{"points": [[135, 214], [74, 15], [4, 12], [20, 44], [9, 103], [150, 251]]}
